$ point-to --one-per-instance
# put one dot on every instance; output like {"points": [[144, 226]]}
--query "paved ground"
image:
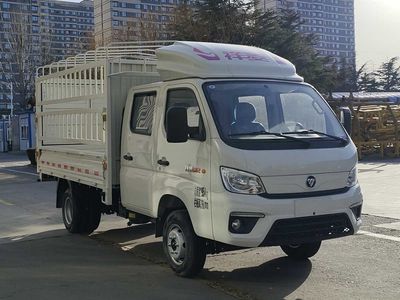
{"points": [[39, 260], [379, 181]]}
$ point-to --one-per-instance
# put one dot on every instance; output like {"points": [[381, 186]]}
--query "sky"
{"points": [[377, 29], [377, 25]]}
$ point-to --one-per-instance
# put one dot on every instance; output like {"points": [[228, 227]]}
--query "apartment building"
{"points": [[49, 30], [68, 26], [132, 20], [332, 21]]}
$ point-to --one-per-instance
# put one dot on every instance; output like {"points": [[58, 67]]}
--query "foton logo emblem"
{"points": [[311, 181]]}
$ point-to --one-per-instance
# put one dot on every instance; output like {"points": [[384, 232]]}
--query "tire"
{"points": [[185, 251], [92, 210], [80, 210], [94, 215], [70, 212], [301, 251]]}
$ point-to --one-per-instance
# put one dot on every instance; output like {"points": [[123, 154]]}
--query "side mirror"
{"points": [[345, 118], [177, 125]]}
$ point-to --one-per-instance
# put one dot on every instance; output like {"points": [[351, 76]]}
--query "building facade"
{"points": [[67, 26], [36, 32], [132, 20], [332, 21]]}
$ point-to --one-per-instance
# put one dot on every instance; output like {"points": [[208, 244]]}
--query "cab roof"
{"points": [[214, 60]]}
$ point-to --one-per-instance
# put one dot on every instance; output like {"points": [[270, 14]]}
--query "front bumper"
{"points": [[308, 229], [287, 220]]}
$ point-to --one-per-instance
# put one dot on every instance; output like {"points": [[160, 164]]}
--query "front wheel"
{"points": [[301, 251], [185, 251]]}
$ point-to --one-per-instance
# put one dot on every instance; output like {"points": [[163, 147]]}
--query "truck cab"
{"points": [[231, 149]]}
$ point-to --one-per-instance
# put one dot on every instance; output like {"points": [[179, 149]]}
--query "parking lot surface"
{"points": [[40, 260]]}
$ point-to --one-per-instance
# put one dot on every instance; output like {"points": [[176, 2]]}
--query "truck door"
{"points": [[184, 168], [137, 152]]}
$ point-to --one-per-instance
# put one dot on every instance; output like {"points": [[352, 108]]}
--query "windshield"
{"points": [[255, 110]]}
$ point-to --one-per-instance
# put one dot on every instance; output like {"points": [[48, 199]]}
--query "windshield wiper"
{"points": [[271, 133], [311, 131]]}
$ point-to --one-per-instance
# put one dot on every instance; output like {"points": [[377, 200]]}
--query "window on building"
{"points": [[24, 132]]}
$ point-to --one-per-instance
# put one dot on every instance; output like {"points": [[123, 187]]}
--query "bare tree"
{"points": [[150, 27], [86, 42], [130, 32], [46, 39], [21, 54]]}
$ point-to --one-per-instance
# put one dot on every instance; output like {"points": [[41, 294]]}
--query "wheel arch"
{"points": [[166, 205], [62, 185]]}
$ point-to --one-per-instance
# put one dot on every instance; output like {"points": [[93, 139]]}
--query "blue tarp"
{"points": [[368, 96]]}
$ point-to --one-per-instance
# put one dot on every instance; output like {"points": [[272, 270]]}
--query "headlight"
{"points": [[352, 178], [241, 182]]}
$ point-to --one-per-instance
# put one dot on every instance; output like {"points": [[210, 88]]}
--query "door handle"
{"points": [[128, 157], [163, 162]]}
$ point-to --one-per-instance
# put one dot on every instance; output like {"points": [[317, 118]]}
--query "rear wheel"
{"points": [[70, 212], [80, 210], [185, 251], [92, 204], [301, 251]]}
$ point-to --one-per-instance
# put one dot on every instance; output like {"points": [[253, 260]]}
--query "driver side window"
{"points": [[186, 98]]}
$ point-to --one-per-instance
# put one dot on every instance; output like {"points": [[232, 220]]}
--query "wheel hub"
{"points": [[68, 210], [176, 245]]}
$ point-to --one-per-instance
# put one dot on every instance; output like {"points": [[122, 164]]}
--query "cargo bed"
{"points": [[79, 105], [80, 163]]}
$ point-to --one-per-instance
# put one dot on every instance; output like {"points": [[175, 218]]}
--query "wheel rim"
{"points": [[176, 244], [68, 210]]}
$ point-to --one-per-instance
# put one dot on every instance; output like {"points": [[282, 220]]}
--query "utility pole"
{"points": [[11, 99], [11, 114], [9, 130]]}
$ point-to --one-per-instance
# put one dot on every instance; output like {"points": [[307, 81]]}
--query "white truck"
{"points": [[222, 146]]}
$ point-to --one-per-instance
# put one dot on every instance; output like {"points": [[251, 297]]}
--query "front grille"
{"points": [[308, 229], [306, 194]]}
